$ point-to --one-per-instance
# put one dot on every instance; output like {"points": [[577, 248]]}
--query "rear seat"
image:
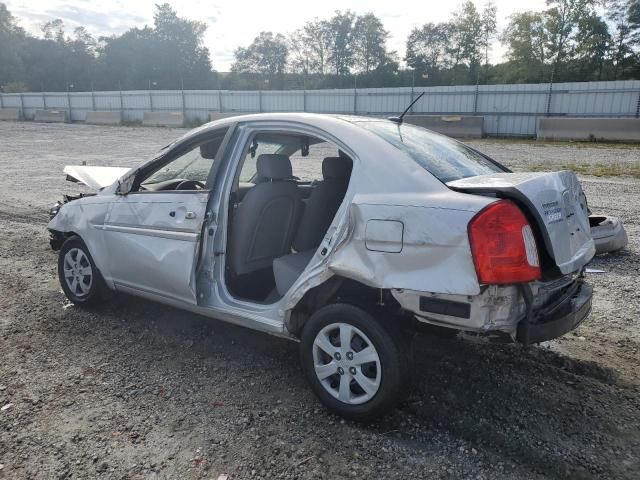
{"points": [[322, 205], [287, 269]]}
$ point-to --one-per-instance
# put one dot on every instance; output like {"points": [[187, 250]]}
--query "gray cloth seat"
{"points": [[264, 224], [323, 203], [287, 269]]}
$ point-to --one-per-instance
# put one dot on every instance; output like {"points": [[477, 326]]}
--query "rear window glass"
{"points": [[444, 158]]}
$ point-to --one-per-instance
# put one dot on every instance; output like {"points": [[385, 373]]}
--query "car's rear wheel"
{"points": [[79, 278], [353, 363]]}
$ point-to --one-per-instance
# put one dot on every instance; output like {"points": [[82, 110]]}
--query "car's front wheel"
{"points": [[79, 278], [353, 363]]}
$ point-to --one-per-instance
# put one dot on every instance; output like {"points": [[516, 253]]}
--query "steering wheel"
{"points": [[190, 185]]}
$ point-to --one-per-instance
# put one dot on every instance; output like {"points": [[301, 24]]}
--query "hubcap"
{"points": [[77, 272], [347, 363]]}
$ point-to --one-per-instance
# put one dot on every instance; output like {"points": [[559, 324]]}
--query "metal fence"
{"points": [[508, 110]]}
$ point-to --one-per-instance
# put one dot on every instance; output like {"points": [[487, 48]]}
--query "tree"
{"points": [[369, 43], [592, 47], [340, 41], [489, 28], [11, 41], [526, 40], [466, 39], [300, 53], [169, 55], [561, 22], [317, 39], [569, 41], [427, 46], [54, 30], [633, 16], [621, 41], [179, 41], [267, 55], [309, 48]]}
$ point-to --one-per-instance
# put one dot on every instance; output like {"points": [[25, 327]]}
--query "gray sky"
{"points": [[236, 23]]}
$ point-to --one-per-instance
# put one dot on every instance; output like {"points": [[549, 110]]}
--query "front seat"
{"points": [[323, 203], [265, 222]]}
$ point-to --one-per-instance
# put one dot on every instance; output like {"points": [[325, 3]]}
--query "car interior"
{"points": [[187, 171], [285, 196]]}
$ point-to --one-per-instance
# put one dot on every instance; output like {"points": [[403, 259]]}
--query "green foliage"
{"points": [[341, 35], [526, 39], [369, 43], [164, 56], [428, 46], [266, 55], [569, 41]]}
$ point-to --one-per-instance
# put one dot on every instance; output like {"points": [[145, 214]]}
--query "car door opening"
{"points": [[288, 192]]}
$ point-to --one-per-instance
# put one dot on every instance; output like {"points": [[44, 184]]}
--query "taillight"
{"points": [[503, 245]]}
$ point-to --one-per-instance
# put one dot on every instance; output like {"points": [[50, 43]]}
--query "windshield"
{"points": [[443, 157]]}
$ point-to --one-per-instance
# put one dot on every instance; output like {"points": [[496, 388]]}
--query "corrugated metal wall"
{"points": [[508, 110]]}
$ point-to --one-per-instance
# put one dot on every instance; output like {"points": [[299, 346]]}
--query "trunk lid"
{"points": [[555, 201]]}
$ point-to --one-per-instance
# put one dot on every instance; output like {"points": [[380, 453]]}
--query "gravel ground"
{"points": [[138, 390]]}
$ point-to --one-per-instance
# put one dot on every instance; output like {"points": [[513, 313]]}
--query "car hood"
{"points": [[94, 177]]}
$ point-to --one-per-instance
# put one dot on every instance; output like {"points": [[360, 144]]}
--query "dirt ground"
{"points": [[136, 390]]}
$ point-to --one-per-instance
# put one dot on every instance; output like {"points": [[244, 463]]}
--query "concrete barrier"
{"points": [[104, 118], [589, 129], [213, 116], [461, 126], [51, 116], [9, 114], [163, 119]]}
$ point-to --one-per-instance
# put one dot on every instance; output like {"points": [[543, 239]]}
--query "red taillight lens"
{"points": [[503, 246]]}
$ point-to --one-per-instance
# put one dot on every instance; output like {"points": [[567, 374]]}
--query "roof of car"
{"points": [[387, 167], [320, 120]]}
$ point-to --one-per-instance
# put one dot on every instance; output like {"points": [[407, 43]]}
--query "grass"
{"points": [[549, 143], [595, 169]]}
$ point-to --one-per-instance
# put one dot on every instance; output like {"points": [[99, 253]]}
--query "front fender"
{"points": [[85, 217]]}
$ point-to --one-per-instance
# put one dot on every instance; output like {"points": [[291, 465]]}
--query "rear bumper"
{"points": [[558, 318], [608, 233]]}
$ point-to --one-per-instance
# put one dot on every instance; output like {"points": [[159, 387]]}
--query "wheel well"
{"points": [[57, 238], [377, 301]]}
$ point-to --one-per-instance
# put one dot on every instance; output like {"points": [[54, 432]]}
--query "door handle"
{"points": [[190, 215]]}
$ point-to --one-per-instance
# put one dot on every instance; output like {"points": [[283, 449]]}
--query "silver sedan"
{"points": [[345, 233]]}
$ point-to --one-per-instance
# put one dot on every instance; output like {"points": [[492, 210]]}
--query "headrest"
{"points": [[336, 167], [273, 166]]}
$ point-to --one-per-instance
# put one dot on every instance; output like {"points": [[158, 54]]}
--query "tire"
{"points": [[79, 278], [357, 388]]}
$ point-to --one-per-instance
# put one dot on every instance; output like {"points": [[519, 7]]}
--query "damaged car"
{"points": [[343, 233]]}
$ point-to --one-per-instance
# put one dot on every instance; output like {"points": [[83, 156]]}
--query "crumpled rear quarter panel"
{"points": [[434, 254]]}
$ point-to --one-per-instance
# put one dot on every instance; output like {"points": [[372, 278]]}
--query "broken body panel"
{"points": [[557, 205], [94, 177], [398, 229]]}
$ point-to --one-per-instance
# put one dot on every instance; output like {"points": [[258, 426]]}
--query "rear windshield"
{"points": [[444, 158]]}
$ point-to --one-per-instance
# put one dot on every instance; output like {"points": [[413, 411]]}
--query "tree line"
{"points": [[571, 40]]}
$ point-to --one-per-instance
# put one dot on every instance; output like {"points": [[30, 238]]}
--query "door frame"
{"points": [[268, 317]]}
